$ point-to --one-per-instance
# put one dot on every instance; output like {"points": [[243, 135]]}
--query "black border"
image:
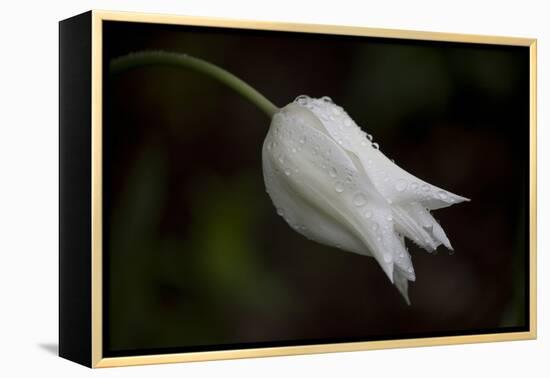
{"points": [[75, 193]]}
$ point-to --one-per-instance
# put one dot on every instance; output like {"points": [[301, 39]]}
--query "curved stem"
{"points": [[154, 58]]}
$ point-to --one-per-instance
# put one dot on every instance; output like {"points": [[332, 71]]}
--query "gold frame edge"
{"points": [[98, 361]]}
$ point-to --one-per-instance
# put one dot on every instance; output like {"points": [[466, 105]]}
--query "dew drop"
{"points": [[389, 218], [401, 185], [335, 111], [359, 199], [287, 172], [339, 187], [414, 186], [375, 146], [280, 212], [387, 258], [282, 160], [368, 214], [369, 137], [302, 99], [302, 140], [332, 172], [374, 226], [410, 269], [326, 99]]}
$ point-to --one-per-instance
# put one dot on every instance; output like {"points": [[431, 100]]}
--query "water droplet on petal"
{"points": [[414, 186], [389, 218], [369, 137], [339, 187], [287, 172], [332, 172], [368, 214], [375, 146], [387, 258], [410, 269], [302, 99], [280, 212], [302, 140], [326, 99], [359, 199], [374, 226], [401, 185]]}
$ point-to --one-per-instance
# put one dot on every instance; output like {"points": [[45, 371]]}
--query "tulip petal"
{"points": [[402, 284], [328, 181], [305, 218], [334, 186], [396, 184]]}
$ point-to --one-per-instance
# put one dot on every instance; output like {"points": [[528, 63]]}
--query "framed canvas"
{"points": [[236, 189]]}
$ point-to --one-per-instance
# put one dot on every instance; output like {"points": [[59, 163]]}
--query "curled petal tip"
{"points": [[388, 269]]}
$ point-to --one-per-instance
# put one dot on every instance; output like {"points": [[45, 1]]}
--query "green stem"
{"points": [[155, 58]]}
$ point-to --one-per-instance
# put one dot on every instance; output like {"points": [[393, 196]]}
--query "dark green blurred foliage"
{"points": [[195, 254]]}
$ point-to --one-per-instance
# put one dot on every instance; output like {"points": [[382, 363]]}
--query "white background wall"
{"points": [[29, 174]]}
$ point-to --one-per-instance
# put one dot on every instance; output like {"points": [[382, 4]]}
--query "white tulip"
{"points": [[328, 180], [334, 186]]}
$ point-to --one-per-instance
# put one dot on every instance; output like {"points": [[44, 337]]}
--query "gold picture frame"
{"points": [[95, 263]]}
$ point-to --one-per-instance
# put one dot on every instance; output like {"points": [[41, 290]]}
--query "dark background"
{"points": [[196, 257]]}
